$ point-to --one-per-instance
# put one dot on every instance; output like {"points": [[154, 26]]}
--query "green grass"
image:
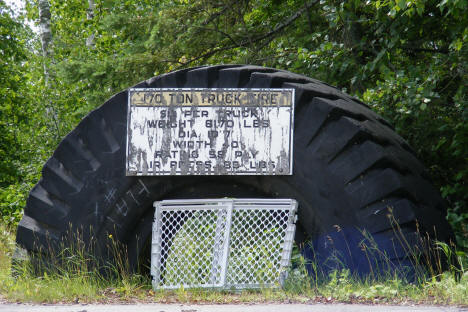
{"points": [[72, 278], [75, 280]]}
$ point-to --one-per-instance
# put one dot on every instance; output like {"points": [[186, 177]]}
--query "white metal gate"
{"points": [[223, 243]]}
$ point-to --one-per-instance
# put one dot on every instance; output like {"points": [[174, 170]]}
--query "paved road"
{"points": [[224, 308]]}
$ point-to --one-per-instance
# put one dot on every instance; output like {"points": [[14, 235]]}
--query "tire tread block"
{"points": [[115, 117], [263, 79], [384, 214], [378, 184], [55, 167], [204, 77], [403, 241], [97, 138], [370, 155], [86, 158], [75, 159], [36, 236], [363, 129], [175, 79], [233, 77], [47, 204], [336, 135]]}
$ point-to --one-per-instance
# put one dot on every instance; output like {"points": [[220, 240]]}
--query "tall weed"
{"points": [[74, 275], [70, 273]]}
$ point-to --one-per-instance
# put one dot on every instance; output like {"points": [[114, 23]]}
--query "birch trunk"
{"points": [[90, 16], [45, 32], [44, 26], [46, 40]]}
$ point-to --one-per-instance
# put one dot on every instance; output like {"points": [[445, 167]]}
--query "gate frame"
{"points": [[227, 205]]}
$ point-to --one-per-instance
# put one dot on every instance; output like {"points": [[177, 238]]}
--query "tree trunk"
{"points": [[90, 16], [44, 26], [45, 32], [46, 40]]}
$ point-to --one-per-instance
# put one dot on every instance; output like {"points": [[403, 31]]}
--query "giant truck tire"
{"points": [[364, 199]]}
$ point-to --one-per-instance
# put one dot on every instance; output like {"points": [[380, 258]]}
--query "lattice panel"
{"points": [[225, 243]]}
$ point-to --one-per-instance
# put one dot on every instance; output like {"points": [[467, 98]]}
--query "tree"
{"points": [[407, 59], [12, 117]]}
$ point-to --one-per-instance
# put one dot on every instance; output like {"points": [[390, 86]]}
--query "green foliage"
{"points": [[13, 116], [406, 59], [11, 95]]}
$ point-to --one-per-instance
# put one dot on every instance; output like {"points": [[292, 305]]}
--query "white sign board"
{"points": [[210, 131]]}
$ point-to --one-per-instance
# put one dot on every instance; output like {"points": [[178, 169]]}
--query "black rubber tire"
{"points": [[350, 170]]}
